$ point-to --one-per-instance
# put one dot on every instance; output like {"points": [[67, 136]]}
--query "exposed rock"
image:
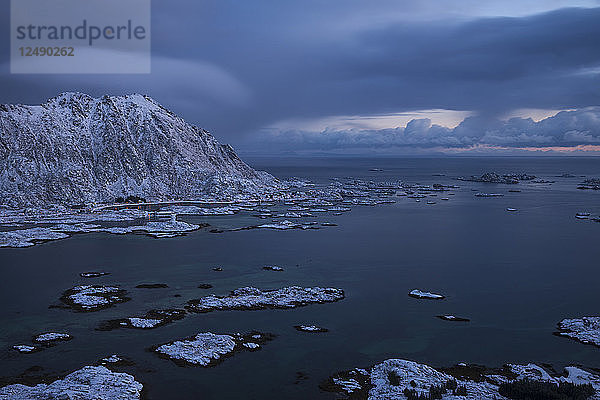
{"points": [[283, 225], [111, 359], [249, 298], [453, 318], [205, 286], [310, 328], [98, 383], [488, 194], [591, 184], [419, 294], [152, 286], [585, 329], [272, 268], [300, 377], [116, 360], [354, 383], [93, 274]]}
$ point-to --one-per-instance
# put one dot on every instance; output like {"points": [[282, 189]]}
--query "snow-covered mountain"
{"points": [[77, 149]]}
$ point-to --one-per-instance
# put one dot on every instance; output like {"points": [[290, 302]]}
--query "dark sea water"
{"points": [[515, 275]]}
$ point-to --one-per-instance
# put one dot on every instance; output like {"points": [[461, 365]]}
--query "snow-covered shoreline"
{"points": [[393, 378], [310, 208]]}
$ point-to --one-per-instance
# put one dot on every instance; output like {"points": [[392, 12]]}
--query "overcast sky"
{"points": [[352, 77]]}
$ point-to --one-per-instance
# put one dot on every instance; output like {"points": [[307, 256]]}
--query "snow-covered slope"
{"points": [[79, 149]]}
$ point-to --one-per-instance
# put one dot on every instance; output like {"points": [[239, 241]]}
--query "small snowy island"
{"points": [[152, 319], [250, 298], [42, 341], [98, 383], [311, 328], [94, 297], [493, 177], [52, 337], [207, 349], [453, 318], [419, 294], [76, 224]]}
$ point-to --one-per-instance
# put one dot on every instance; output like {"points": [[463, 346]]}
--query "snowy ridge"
{"points": [[76, 149]]}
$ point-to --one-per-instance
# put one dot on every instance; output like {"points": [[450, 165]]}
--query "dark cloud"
{"points": [[236, 67]]}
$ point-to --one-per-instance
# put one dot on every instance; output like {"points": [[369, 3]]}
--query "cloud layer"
{"points": [[235, 68], [566, 129]]}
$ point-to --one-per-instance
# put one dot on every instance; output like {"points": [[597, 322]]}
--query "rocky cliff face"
{"points": [[77, 149]]}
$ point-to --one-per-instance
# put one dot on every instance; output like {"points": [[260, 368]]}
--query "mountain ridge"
{"points": [[76, 149]]}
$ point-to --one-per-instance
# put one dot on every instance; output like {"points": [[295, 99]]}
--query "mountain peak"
{"points": [[67, 98], [79, 149]]}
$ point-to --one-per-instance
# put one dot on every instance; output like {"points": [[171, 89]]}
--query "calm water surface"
{"points": [[515, 275]]}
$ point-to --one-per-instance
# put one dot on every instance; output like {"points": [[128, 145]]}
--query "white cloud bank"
{"points": [[573, 129]]}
